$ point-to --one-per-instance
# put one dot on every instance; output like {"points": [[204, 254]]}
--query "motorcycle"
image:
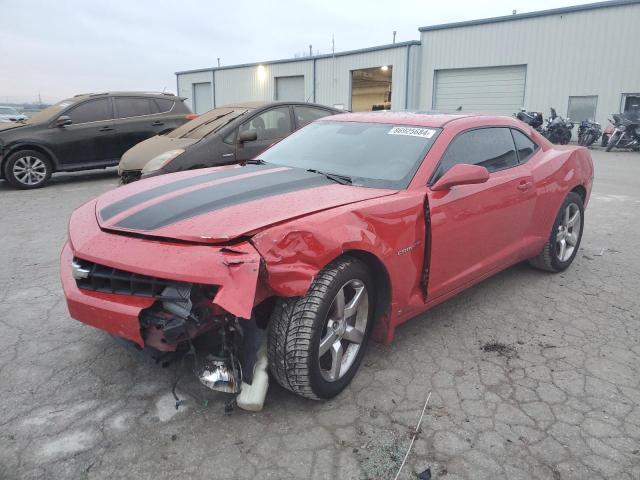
{"points": [[627, 131], [533, 119], [588, 132], [606, 135], [557, 129]]}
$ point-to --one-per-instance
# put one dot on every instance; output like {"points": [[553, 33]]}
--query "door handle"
{"points": [[105, 129], [157, 123], [525, 185]]}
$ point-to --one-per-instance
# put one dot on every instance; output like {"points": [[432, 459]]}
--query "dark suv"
{"points": [[84, 132]]}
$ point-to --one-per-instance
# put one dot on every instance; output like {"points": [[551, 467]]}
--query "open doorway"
{"points": [[371, 89]]}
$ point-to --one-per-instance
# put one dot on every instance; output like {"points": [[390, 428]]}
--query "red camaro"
{"points": [[344, 230]]}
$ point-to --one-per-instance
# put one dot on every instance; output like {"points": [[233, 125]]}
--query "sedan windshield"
{"points": [[8, 111], [367, 154], [208, 123]]}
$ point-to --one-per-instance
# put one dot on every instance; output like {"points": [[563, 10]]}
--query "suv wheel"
{"points": [[27, 169]]}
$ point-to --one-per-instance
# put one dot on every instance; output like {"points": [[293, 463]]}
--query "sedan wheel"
{"points": [[564, 241], [27, 169], [568, 231], [344, 330], [316, 342]]}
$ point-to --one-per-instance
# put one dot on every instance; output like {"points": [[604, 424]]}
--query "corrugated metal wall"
{"points": [[578, 53], [333, 75], [333, 78], [256, 83], [186, 81]]}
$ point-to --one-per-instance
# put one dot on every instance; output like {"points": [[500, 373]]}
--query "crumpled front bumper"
{"points": [[234, 270]]}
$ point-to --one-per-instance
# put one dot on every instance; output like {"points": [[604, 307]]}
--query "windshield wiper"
{"points": [[255, 161], [341, 179]]}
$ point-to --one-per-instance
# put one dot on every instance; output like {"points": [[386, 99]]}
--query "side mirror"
{"points": [[461, 174], [63, 121], [248, 136]]}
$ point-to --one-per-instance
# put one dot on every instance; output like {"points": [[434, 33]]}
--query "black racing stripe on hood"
{"points": [[216, 197], [126, 203]]}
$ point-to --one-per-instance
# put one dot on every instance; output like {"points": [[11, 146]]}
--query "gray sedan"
{"points": [[227, 134]]}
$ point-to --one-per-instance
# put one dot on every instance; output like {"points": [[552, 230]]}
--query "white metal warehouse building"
{"points": [[582, 60]]}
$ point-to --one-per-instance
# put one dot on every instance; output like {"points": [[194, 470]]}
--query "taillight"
{"points": [[191, 116]]}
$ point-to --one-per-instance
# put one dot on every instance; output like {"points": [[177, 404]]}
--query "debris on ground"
{"points": [[499, 348], [426, 475]]}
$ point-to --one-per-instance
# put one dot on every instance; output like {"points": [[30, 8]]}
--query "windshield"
{"points": [[207, 123], [8, 111], [51, 112], [371, 154]]}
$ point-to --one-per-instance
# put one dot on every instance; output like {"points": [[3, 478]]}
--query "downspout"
{"points": [[406, 82], [314, 80], [213, 87]]}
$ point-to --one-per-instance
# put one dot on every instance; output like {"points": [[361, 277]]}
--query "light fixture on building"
{"points": [[262, 73], [384, 68]]}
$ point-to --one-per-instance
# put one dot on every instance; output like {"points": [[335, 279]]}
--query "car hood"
{"points": [[137, 156], [216, 205], [4, 126]]}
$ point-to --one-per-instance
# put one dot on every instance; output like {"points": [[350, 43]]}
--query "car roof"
{"points": [[83, 96], [415, 118], [263, 104]]}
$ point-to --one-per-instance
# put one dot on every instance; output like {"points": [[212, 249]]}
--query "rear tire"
{"points": [[564, 241], [28, 169], [316, 342]]}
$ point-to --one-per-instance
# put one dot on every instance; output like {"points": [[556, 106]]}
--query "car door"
{"points": [[90, 136], [478, 229], [137, 118], [270, 126]]}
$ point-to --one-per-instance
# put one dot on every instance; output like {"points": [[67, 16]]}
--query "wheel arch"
{"points": [[29, 146], [580, 190], [383, 290]]}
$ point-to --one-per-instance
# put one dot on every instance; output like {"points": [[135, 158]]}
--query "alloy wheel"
{"points": [[568, 232], [344, 330], [29, 170]]}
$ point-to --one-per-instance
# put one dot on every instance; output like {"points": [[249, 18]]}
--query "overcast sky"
{"points": [[63, 47]]}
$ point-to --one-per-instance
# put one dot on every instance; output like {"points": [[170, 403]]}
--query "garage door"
{"points": [[290, 88], [202, 98], [492, 89]]}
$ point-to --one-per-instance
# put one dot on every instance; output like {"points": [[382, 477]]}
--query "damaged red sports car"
{"points": [[342, 231]]}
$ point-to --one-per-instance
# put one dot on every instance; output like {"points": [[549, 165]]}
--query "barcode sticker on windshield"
{"points": [[412, 132]]}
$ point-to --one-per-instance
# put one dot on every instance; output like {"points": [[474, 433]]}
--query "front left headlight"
{"points": [[159, 161]]}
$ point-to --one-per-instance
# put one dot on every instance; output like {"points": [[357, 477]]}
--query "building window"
{"points": [[630, 102], [582, 108]]}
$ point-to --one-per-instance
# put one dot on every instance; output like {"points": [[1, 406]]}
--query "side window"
{"points": [[91, 111], [163, 105], [524, 145], [306, 115], [270, 125], [230, 138], [134, 107], [491, 148]]}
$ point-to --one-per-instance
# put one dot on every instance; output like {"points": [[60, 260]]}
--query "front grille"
{"points": [[100, 278]]}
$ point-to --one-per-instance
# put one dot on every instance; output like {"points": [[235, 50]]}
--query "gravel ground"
{"points": [[532, 375]]}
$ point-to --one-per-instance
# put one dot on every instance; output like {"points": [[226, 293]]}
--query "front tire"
{"points": [[564, 241], [612, 141], [27, 169], [316, 342]]}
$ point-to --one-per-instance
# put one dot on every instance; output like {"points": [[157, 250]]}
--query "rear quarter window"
{"points": [[524, 145]]}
